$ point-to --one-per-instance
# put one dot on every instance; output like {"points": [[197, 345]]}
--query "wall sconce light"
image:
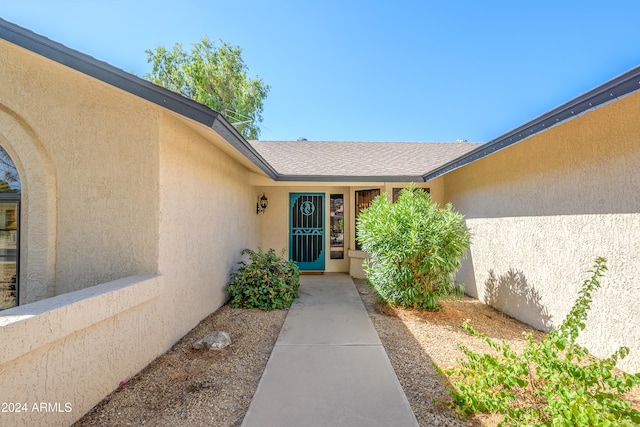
{"points": [[261, 206]]}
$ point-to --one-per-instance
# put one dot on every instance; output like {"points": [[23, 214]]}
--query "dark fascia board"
{"points": [[341, 178], [615, 88], [231, 134], [135, 85]]}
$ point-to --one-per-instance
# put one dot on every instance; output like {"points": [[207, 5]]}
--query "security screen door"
{"points": [[306, 230]]}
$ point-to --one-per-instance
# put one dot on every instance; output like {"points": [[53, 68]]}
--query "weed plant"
{"points": [[554, 382]]}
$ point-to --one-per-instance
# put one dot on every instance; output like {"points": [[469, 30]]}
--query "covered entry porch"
{"points": [[315, 223]]}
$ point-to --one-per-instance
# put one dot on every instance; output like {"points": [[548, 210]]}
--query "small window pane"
{"points": [[9, 180], [8, 254], [337, 226], [396, 193], [9, 231]]}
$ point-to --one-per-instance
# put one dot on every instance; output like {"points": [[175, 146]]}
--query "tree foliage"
{"points": [[214, 75], [415, 247]]}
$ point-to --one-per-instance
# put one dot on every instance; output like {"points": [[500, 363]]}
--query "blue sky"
{"points": [[373, 70]]}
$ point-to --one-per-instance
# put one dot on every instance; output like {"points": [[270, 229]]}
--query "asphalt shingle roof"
{"points": [[359, 159]]}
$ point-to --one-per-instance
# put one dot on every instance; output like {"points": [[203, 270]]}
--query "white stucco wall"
{"points": [[541, 211]]}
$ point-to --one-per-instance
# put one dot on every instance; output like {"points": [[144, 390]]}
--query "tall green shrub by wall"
{"points": [[415, 247]]}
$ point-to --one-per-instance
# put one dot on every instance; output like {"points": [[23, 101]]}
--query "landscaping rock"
{"points": [[216, 340]]}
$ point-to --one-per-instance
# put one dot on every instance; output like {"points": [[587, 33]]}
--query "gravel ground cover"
{"points": [[187, 387]]}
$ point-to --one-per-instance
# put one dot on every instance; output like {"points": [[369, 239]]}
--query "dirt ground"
{"points": [[187, 387]]}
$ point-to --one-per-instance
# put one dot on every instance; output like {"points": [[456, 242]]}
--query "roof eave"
{"points": [[349, 178], [132, 84], [615, 88], [231, 134], [106, 73]]}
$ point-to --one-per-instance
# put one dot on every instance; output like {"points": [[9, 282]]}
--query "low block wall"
{"points": [[60, 356], [357, 259]]}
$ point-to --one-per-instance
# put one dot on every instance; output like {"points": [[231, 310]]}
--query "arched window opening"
{"points": [[9, 232]]}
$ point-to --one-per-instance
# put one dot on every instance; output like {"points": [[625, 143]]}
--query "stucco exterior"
{"points": [[136, 204], [69, 351], [541, 211], [274, 222], [207, 216], [89, 173], [132, 219], [131, 213]]}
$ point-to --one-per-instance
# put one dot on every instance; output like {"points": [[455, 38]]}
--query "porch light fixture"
{"points": [[261, 206]]}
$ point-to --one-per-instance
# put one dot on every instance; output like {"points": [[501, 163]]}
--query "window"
{"points": [[337, 226], [9, 231], [363, 200], [396, 193]]}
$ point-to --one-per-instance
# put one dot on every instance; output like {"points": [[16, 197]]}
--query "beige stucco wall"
{"points": [[207, 216], [87, 156], [38, 202], [274, 222], [69, 351], [73, 349], [542, 210], [132, 216]]}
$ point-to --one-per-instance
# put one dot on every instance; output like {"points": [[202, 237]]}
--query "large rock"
{"points": [[214, 341]]}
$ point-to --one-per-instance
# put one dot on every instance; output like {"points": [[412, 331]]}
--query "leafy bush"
{"points": [[415, 248], [554, 382], [268, 282]]}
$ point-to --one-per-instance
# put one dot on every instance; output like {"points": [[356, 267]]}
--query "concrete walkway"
{"points": [[328, 366]]}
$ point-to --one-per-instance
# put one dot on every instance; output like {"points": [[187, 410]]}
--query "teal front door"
{"points": [[306, 230]]}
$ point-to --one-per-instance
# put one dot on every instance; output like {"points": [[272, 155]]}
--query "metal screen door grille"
{"points": [[307, 230]]}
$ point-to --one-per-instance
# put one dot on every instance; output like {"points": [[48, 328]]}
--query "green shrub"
{"points": [[554, 382], [415, 248], [268, 282]]}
